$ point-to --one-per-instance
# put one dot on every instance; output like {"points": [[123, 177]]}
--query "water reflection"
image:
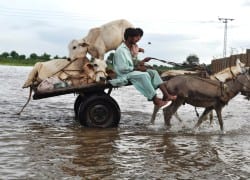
{"points": [[93, 154]]}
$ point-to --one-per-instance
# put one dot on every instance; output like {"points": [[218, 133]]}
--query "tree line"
{"points": [[14, 58], [192, 58], [33, 56]]}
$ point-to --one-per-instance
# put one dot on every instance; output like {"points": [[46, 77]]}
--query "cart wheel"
{"points": [[77, 103], [99, 110]]}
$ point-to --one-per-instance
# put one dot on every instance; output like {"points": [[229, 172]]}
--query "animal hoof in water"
{"points": [[223, 132], [168, 126]]}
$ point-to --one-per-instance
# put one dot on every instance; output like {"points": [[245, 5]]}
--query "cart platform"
{"points": [[87, 88]]}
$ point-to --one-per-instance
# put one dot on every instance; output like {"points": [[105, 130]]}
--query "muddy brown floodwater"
{"points": [[45, 142]]}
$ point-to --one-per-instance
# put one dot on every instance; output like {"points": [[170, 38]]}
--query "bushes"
{"points": [[13, 58]]}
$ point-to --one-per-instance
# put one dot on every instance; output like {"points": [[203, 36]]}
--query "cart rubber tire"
{"points": [[77, 103], [99, 110]]}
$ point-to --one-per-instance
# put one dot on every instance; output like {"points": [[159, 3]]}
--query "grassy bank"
{"points": [[19, 62]]}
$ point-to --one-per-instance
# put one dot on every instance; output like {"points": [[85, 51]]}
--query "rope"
{"points": [[19, 113], [70, 74], [66, 66]]}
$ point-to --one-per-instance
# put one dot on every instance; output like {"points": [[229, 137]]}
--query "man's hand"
{"points": [[141, 67], [141, 50], [146, 59]]}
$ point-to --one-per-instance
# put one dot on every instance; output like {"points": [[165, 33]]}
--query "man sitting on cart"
{"points": [[146, 81]]}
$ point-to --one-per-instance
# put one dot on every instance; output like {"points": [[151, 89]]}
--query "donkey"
{"points": [[200, 92], [222, 76]]}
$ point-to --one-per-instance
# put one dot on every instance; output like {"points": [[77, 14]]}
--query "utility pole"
{"points": [[225, 20]]}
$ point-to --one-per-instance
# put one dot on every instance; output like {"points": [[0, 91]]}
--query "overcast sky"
{"points": [[175, 29]]}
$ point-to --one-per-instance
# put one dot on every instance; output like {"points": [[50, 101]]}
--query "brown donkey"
{"points": [[206, 93]]}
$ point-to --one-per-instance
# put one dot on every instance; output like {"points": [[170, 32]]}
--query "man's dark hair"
{"points": [[131, 32], [140, 31]]}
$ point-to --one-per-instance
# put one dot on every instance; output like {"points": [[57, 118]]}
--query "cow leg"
{"points": [[202, 118], [170, 110]]}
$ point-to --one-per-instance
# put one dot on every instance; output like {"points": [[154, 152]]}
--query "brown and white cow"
{"points": [[99, 40]]}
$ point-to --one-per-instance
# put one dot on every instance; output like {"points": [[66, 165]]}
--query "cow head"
{"points": [[77, 49], [96, 70], [100, 69]]}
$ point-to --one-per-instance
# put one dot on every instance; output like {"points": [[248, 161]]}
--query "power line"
{"points": [[225, 21]]}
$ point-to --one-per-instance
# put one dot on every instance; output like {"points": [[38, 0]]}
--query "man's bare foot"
{"points": [[160, 103]]}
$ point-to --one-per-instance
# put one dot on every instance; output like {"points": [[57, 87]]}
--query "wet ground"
{"points": [[45, 142]]}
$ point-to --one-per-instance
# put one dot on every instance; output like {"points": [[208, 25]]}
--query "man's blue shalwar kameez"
{"points": [[145, 82]]}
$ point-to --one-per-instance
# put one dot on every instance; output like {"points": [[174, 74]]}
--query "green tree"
{"points": [[5, 55], [14, 55], [192, 59], [33, 56], [22, 56], [56, 57], [155, 66], [45, 56]]}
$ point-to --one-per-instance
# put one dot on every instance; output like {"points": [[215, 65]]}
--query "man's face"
{"points": [[134, 39]]}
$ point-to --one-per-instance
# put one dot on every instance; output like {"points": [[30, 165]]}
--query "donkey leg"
{"points": [[170, 110], [218, 112], [202, 118], [178, 117], [156, 109], [211, 118]]}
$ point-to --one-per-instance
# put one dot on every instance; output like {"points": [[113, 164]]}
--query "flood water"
{"points": [[45, 142]]}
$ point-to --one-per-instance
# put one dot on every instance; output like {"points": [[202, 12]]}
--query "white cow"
{"points": [[99, 40], [66, 70]]}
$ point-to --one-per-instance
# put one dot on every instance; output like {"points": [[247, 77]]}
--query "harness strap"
{"points": [[230, 68], [101, 72], [65, 66], [221, 84], [26, 102]]}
